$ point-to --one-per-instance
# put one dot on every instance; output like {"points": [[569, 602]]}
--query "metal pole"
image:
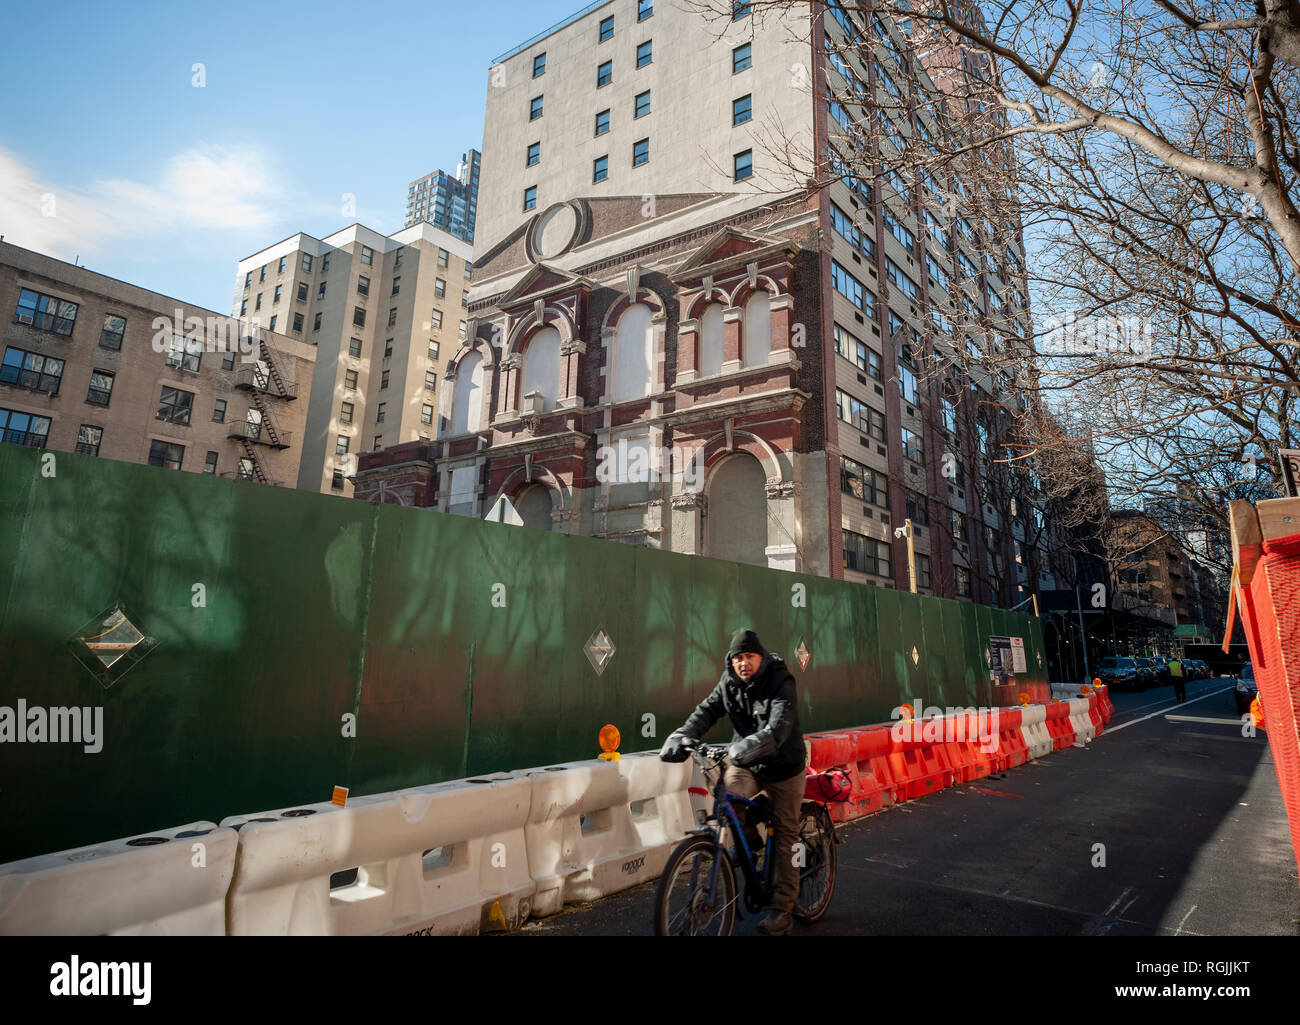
{"points": [[1086, 671], [911, 555]]}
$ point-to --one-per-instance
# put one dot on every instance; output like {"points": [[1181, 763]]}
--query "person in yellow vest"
{"points": [[1178, 679]]}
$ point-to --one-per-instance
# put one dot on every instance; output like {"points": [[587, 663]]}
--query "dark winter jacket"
{"points": [[765, 708]]}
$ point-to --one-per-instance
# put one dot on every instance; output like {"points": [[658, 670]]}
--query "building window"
{"points": [[367, 255], [534, 154], [243, 308], [866, 555], [916, 511], [642, 106], [392, 316], [164, 453], [210, 463], [602, 122], [228, 361], [325, 263], [354, 348], [433, 350], [262, 276], [248, 280], [443, 257], [383, 381], [539, 65], [604, 74], [358, 316], [279, 291], [600, 169], [175, 405], [185, 355], [306, 262], [742, 109], [912, 446], [739, 8], [31, 370], [907, 375], [464, 298], [863, 483], [45, 312], [388, 348], [644, 54], [461, 331], [379, 443], [89, 437], [114, 328], [284, 260], [644, 9], [101, 388], [345, 413], [274, 318], [430, 381], [256, 305], [23, 428], [535, 108], [439, 288], [607, 28], [341, 445], [316, 323], [397, 286], [297, 323], [382, 411], [530, 197], [398, 255], [436, 320], [744, 164], [363, 285], [350, 380], [426, 413], [219, 411], [742, 58], [961, 577], [923, 571], [337, 481], [640, 152]]}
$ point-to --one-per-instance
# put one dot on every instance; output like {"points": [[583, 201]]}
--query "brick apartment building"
{"points": [[104, 368]]}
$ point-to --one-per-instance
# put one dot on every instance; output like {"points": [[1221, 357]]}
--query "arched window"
{"points": [[758, 330], [711, 347], [633, 353], [467, 403], [534, 507], [736, 524], [541, 370]]}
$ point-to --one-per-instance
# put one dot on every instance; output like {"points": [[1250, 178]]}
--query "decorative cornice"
{"points": [[778, 488], [688, 500]]}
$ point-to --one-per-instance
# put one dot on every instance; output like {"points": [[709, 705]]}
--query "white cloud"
{"points": [[199, 189]]}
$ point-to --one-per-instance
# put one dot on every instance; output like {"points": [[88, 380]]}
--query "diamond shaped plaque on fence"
{"points": [[599, 649], [802, 654], [110, 645]]}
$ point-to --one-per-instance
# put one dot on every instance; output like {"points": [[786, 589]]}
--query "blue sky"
{"points": [[110, 153]]}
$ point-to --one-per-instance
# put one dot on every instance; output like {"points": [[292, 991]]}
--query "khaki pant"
{"points": [[787, 799]]}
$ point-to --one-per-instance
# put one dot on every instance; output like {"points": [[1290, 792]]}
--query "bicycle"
{"points": [[697, 891]]}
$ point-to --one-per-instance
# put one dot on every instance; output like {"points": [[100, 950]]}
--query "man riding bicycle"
{"points": [[767, 753]]}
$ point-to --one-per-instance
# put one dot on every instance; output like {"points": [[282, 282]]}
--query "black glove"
{"points": [[674, 749], [751, 749]]}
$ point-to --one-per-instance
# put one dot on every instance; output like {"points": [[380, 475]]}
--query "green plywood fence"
{"points": [[457, 645]]}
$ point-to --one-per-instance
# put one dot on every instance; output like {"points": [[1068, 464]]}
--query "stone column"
{"points": [[688, 335], [687, 522], [731, 339], [782, 552], [571, 353], [782, 308]]}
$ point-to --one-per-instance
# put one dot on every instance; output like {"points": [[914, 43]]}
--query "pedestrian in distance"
{"points": [[757, 692], [1178, 679]]}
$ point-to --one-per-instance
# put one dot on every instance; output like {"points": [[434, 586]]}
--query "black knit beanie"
{"points": [[744, 640]]}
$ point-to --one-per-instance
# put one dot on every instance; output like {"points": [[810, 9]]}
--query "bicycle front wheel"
{"points": [[817, 876], [683, 903]]}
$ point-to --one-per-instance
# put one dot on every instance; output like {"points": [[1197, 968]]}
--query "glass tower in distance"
{"points": [[449, 202]]}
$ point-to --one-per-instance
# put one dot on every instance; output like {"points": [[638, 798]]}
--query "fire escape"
{"points": [[261, 380]]}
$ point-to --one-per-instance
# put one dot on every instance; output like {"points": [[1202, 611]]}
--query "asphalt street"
{"points": [[1182, 808]]}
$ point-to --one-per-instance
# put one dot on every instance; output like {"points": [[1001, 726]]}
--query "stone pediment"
{"points": [[731, 247], [543, 281]]}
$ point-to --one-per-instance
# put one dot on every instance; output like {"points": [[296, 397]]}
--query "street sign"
{"points": [[1018, 663], [1289, 458]]}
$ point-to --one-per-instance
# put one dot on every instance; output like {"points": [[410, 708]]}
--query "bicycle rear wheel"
{"points": [[682, 904], [817, 876]]}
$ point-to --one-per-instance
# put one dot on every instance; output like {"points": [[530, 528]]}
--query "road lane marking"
{"points": [[1179, 930], [1190, 701]]}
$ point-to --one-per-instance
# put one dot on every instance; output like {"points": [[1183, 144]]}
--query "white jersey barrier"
{"points": [[171, 883], [1066, 691], [1084, 730], [599, 827], [1033, 727], [443, 859]]}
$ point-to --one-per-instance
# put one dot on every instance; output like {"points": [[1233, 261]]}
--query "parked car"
{"points": [[1246, 689], [1151, 671], [1201, 669], [1120, 673]]}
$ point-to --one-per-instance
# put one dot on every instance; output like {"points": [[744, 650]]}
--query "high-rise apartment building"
{"points": [[104, 368], [384, 314], [709, 317], [446, 201]]}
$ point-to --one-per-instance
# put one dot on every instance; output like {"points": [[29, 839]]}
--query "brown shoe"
{"points": [[777, 923]]}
